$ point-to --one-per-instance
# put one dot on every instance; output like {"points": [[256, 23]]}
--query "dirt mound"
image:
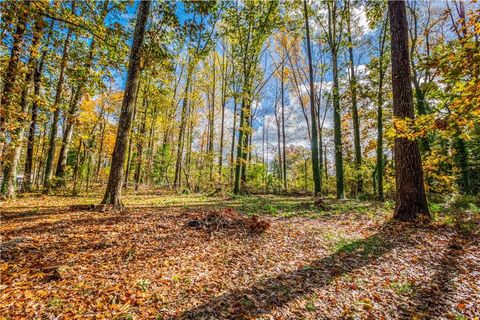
{"points": [[226, 219]]}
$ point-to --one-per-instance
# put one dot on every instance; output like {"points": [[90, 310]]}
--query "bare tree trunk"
{"points": [[284, 162], [140, 142], [76, 169], [234, 132], [380, 115], [151, 144], [211, 125], [130, 140], [279, 143], [355, 119], [411, 201], [222, 125], [40, 163], [337, 120], [314, 140], [102, 145], [114, 187], [183, 119]]}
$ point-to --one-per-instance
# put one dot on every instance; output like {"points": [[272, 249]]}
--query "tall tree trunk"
{"points": [[234, 133], [72, 114], [151, 144], [247, 145], [15, 147], [284, 153], [76, 168], [337, 123], [411, 201], [314, 140], [74, 106], [279, 145], [10, 77], [183, 121], [355, 119], [40, 156], [140, 142], [379, 166], [211, 125], [337, 120], [240, 146], [114, 187], [37, 77], [56, 113], [102, 145], [130, 140], [222, 124]]}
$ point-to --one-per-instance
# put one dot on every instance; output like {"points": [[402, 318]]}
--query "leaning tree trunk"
{"points": [[56, 113], [114, 187], [74, 106], [72, 114], [411, 201]]}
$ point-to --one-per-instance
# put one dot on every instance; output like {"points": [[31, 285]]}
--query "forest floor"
{"points": [[162, 260]]}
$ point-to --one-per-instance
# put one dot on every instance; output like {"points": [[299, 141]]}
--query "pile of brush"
{"points": [[226, 219]]}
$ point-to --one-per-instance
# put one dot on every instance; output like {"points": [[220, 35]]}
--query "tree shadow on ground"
{"points": [[264, 296], [433, 300], [31, 213]]}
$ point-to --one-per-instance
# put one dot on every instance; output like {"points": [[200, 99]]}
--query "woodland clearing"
{"points": [[348, 260]]}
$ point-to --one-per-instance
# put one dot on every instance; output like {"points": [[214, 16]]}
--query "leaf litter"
{"points": [[153, 262]]}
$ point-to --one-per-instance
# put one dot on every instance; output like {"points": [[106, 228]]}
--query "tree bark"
{"points": [[222, 125], [183, 122], [211, 124], [355, 118], [337, 120], [140, 142], [284, 153], [381, 71], [279, 143], [130, 140], [314, 140], [114, 187], [411, 201]]}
